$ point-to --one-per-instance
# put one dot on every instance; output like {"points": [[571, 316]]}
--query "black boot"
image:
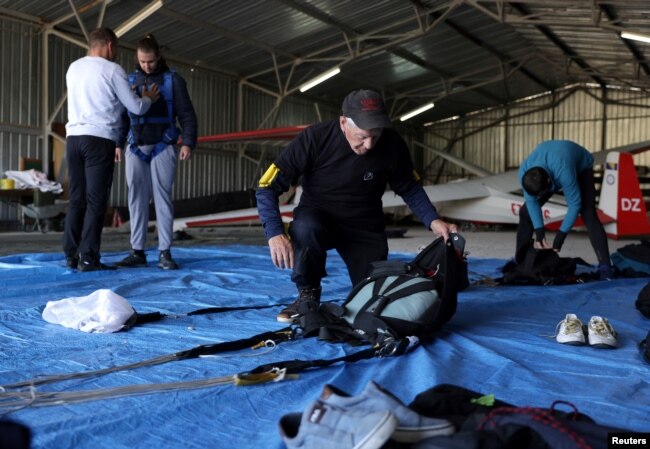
{"points": [[166, 262], [290, 313], [136, 258]]}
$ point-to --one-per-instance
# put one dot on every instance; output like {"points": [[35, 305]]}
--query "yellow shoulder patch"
{"points": [[268, 176]]}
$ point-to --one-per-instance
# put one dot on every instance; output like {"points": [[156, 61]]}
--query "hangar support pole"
{"points": [[45, 119], [269, 120], [240, 124], [47, 116], [603, 124]]}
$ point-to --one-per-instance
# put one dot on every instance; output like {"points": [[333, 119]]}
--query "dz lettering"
{"points": [[631, 204]]}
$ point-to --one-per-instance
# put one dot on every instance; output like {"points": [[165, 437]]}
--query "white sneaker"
{"points": [[325, 426], [601, 333], [411, 426], [569, 331]]}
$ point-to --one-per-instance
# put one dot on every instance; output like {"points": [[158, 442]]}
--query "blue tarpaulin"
{"points": [[500, 341]]}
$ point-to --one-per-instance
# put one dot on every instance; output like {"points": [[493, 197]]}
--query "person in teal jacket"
{"points": [[561, 165]]}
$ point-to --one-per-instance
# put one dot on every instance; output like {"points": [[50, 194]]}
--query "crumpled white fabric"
{"points": [[102, 311], [33, 179]]}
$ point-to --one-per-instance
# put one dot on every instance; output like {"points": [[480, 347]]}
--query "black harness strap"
{"points": [[144, 318], [394, 348], [296, 365], [278, 336], [152, 317]]}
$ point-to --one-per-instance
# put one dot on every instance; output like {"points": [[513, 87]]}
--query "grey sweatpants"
{"points": [[144, 180]]}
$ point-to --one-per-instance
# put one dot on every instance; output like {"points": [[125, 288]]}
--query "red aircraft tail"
{"points": [[621, 200]]}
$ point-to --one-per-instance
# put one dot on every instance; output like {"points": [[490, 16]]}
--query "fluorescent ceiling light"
{"points": [[415, 112], [138, 17], [636, 37], [319, 79]]}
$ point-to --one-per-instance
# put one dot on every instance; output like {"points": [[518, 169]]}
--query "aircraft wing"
{"points": [[472, 168], [250, 215], [635, 148], [257, 136], [239, 216], [463, 190], [455, 191], [507, 182]]}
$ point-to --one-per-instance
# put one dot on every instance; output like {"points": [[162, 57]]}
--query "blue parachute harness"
{"points": [[170, 136]]}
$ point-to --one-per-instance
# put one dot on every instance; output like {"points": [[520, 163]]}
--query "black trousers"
{"points": [[597, 235], [91, 161], [314, 232]]}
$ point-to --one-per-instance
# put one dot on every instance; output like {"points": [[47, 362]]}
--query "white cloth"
{"points": [[33, 179], [102, 311]]}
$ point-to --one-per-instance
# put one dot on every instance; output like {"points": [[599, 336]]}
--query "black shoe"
{"points": [[85, 265], [290, 313], [166, 262], [133, 260], [71, 262]]}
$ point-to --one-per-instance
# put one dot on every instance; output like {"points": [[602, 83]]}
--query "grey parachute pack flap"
{"points": [[399, 299]]}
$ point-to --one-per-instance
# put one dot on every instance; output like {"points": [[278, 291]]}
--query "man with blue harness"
{"points": [[151, 155], [98, 94]]}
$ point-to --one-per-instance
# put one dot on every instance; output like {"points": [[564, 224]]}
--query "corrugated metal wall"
{"points": [[500, 138], [20, 99], [497, 139], [211, 170], [627, 120], [528, 123]]}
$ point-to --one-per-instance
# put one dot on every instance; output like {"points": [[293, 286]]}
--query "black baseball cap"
{"points": [[366, 109]]}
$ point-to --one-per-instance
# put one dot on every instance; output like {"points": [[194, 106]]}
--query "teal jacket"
{"points": [[563, 160]]}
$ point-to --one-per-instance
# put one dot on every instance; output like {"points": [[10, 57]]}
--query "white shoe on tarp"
{"points": [[601, 333], [570, 331]]}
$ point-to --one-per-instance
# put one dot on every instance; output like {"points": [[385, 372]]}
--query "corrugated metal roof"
{"points": [[464, 55]]}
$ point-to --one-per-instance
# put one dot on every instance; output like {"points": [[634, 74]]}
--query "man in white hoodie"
{"points": [[98, 92]]}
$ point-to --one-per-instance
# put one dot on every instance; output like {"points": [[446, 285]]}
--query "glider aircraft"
{"points": [[488, 198]]}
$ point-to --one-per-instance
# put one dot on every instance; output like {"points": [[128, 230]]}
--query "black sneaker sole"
{"points": [[162, 267], [89, 268], [602, 346], [573, 343]]}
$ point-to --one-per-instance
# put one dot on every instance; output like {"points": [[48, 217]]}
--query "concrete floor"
{"points": [[480, 244], [116, 239]]}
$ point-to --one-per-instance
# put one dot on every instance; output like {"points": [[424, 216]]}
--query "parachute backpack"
{"points": [[398, 300]]}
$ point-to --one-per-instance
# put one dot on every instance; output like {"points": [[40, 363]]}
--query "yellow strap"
{"points": [[274, 375], [268, 177]]}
